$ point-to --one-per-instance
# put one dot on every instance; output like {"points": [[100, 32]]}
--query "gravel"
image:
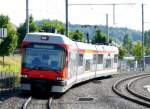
{"points": [[94, 94], [37, 104], [104, 97], [139, 85], [11, 100]]}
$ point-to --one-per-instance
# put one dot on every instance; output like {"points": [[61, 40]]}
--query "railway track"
{"points": [[32, 103], [124, 89]]}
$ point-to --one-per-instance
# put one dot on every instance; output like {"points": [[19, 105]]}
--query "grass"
{"points": [[11, 64]]}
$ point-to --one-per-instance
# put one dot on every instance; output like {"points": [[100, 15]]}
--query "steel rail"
{"points": [[29, 100], [128, 87], [50, 103], [26, 103], [118, 92]]}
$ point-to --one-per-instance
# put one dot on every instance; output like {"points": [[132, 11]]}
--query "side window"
{"points": [[80, 60], [94, 59], [70, 59], [108, 63], [87, 65], [115, 58], [100, 59]]}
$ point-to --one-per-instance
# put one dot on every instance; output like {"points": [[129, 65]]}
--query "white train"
{"points": [[55, 63]]}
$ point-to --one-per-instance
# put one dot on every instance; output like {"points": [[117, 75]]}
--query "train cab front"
{"points": [[44, 67]]}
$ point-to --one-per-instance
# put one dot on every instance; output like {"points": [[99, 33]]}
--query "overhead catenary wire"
{"points": [[112, 4]]}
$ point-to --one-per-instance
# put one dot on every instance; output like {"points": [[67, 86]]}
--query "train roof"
{"points": [[90, 46], [48, 38], [44, 33], [62, 39], [85, 46]]}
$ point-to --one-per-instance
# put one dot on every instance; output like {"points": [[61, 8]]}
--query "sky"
{"points": [[125, 15]]}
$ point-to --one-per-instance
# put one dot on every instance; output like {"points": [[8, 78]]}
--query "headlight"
{"points": [[24, 75], [58, 78]]}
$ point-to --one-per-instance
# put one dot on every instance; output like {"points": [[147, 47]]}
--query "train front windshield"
{"points": [[44, 57]]}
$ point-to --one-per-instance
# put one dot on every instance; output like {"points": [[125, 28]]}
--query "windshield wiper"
{"points": [[34, 68], [37, 68], [41, 68]]}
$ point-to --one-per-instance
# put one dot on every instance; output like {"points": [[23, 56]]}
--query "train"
{"points": [[54, 62]]}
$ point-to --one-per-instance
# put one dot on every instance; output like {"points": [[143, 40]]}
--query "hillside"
{"points": [[116, 33]]}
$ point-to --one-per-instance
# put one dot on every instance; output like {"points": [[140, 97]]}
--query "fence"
{"points": [[133, 66], [8, 82]]}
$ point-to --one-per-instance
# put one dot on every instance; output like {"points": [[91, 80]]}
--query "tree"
{"points": [[121, 52], [147, 51], [147, 39], [4, 20], [99, 37], [76, 36], [111, 39], [137, 50], [127, 43], [22, 29], [50, 26], [8, 45], [33, 27]]}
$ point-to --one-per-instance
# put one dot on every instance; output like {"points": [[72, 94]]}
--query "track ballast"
{"points": [[123, 88], [28, 104]]}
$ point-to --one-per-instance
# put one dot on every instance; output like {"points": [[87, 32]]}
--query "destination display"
{"points": [[44, 37], [43, 46]]}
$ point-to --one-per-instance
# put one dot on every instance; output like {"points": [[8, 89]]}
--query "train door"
{"points": [[94, 64], [100, 62], [80, 69], [108, 61], [115, 61], [72, 66], [80, 64], [89, 68]]}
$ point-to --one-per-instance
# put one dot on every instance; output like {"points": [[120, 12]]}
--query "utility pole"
{"points": [[107, 27], [143, 37], [114, 21], [27, 16], [66, 4]]}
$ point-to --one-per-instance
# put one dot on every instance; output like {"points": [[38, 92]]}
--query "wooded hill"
{"points": [[117, 34]]}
